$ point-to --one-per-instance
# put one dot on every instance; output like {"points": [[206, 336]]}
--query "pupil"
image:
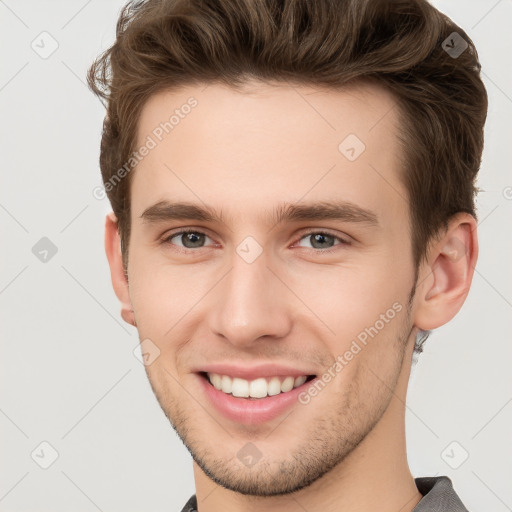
{"points": [[320, 238], [191, 240]]}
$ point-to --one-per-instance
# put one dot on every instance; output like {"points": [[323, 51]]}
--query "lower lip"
{"points": [[251, 411]]}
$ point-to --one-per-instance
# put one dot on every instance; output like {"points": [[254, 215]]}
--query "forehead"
{"points": [[268, 142]]}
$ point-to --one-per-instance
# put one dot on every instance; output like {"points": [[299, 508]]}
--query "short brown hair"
{"points": [[441, 99]]}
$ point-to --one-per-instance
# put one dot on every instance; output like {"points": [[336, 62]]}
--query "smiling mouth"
{"points": [[256, 389]]}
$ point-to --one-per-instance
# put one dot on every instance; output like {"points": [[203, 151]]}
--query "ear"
{"points": [[445, 279], [115, 261]]}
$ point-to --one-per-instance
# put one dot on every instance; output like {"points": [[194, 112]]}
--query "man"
{"points": [[292, 185]]}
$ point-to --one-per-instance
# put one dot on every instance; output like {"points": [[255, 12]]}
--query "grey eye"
{"points": [[188, 239]]}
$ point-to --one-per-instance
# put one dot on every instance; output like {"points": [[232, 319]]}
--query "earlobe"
{"points": [[447, 278], [117, 273]]}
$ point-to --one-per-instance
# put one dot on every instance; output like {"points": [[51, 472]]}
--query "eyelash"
{"points": [[166, 240]]}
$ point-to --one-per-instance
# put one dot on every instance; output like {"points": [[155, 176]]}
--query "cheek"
{"points": [[350, 299], [159, 288], [152, 301], [157, 298], [367, 360], [169, 303]]}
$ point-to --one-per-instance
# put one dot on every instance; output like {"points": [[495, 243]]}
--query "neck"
{"points": [[374, 476]]}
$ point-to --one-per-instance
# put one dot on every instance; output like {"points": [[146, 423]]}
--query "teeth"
{"points": [[240, 387], [226, 384], [287, 384], [274, 386], [216, 380], [258, 388]]}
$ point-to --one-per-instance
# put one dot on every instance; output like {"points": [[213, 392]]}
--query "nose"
{"points": [[250, 303]]}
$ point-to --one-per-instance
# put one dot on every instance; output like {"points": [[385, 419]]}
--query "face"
{"points": [[301, 265]]}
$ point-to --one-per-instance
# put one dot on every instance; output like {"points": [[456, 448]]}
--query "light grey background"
{"points": [[69, 376]]}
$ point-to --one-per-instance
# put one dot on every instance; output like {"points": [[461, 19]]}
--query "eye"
{"points": [[322, 240], [194, 239], [188, 239]]}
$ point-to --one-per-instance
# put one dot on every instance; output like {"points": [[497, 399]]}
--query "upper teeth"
{"points": [[258, 388]]}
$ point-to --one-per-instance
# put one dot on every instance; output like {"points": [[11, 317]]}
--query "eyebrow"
{"points": [[284, 212]]}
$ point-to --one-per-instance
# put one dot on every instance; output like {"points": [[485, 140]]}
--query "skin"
{"points": [[242, 153]]}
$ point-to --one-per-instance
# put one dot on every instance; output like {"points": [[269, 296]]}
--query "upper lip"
{"points": [[254, 372]]}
